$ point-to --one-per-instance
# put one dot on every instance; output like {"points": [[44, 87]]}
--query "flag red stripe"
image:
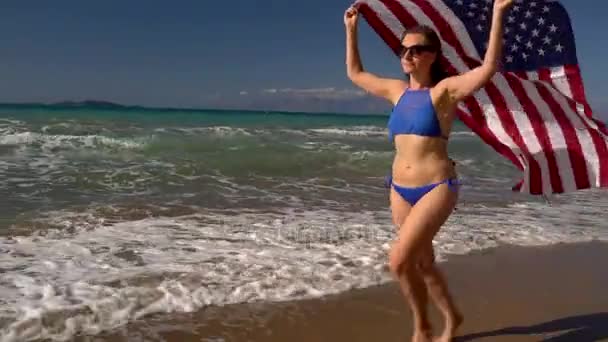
{"points": [[478, 124], [573, 74], [540, 130], [384, 32], [533, 177], [445, 31], [507, 120], [600, 125], [576, 83], [406, 19], [575, 150], [600, 144], [521, 74]]}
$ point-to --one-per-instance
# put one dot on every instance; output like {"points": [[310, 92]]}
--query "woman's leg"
{"points": [[439, 292], [413, 282], [417, 231], [400, 209]]}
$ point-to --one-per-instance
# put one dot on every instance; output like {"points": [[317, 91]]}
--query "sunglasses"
{"points": [[416, 49]]}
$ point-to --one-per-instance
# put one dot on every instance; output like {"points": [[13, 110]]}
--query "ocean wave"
{"points": [[462, 135], [325, 132], [11, 126], [373, 131], [72, 141], [226, 131], [75, 128], [15, 122], [367, 131], [215, 130], [324, 146]]}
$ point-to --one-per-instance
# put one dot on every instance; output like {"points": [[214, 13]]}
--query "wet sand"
{"points": [[554, 293]]}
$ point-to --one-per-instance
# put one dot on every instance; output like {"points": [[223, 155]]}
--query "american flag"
{"points": [[534, 111]]}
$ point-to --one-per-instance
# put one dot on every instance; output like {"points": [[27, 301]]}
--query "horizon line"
{"points": [[103, 104]]}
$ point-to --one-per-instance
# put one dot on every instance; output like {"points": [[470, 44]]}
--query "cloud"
{"points": [[321, 93], [321, 99]]}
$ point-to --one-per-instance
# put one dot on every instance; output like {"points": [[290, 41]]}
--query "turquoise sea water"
{"points": [[107, 215]]}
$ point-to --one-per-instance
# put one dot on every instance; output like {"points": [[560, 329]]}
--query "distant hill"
{"points": [[89, 103]]}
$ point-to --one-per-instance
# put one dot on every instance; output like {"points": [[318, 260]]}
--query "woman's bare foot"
{"points": [[451, 325], [422, 336]]}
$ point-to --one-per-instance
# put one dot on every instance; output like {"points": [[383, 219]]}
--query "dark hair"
{"points": [[438, 73]]}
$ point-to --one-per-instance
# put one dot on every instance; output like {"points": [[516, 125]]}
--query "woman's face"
{"points": [[417, 55]]}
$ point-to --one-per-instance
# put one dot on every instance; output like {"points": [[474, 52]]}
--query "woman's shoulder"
{"points": [[398, 88]]}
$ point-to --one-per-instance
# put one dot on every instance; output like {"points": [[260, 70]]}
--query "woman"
{"points": [[424, 188]]}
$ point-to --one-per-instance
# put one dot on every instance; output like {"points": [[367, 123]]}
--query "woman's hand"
{"points": [[501, 6], [350, 17]]}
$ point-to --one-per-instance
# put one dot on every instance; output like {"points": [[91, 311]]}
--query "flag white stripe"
{"points": [[560, 81], [523, 126], [589, 150], [532, 75], [386, 16], [448, 50], [558, 74], [525, 188], [581, 110], [495, 125], [457, 27], [556, 136]]}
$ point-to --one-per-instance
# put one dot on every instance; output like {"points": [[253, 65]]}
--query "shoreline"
{"points": [[507, 293]]}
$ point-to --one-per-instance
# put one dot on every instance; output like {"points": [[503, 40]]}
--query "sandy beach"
{"points": [[554, 293]]}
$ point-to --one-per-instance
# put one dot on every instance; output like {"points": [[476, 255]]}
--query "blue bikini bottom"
{"points": [[413, 194]]}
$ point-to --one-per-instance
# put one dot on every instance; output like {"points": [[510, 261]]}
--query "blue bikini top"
{"points": [[415, 114]]}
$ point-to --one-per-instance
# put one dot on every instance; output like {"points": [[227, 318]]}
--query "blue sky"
{"points": [[186, 53]]}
